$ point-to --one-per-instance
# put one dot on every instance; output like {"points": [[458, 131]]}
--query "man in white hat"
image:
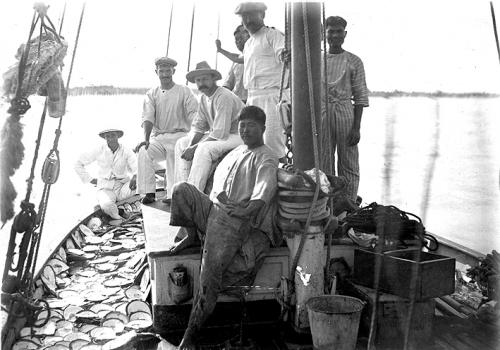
{"points": [[263, 56], [117, 168], [168, 111], [214, 130]]}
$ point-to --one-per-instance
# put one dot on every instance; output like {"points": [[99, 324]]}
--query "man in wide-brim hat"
{"points": [[116, 178], [214, 130], [167, 113]]}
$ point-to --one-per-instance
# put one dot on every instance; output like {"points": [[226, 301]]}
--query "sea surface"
{"points": [[438, 158]]}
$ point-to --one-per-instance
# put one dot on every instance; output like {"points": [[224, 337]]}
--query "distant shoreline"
{"points": [[113, 90]]}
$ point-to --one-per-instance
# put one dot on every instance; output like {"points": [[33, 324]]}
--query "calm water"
{"points": [[437, 158]]}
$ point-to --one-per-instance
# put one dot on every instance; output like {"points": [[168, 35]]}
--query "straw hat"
{"points": [[202, 68], [120, 132]]}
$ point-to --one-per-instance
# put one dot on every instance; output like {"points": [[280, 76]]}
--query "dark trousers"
{"points": [[233, 251]]}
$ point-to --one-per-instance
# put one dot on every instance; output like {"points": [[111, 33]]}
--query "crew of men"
{"points": [[192, 137]]}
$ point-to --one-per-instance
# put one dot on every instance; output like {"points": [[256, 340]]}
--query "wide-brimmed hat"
{"points": [[165, 61], [120, 132], [202, 68], [250, 7]]}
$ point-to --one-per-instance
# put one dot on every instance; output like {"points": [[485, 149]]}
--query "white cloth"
{"points": [[205, 155], [274, 136], [161, 148], [114, 173], [262, 59], [169, 110]]}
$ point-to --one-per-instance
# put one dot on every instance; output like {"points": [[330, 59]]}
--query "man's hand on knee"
{"points": [[143, 143]]}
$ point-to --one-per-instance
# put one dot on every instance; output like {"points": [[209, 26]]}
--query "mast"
{"points": [[301, 106], [308, 248]]}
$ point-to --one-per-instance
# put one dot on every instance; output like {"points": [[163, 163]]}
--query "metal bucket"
{"points": [[334, 321]]}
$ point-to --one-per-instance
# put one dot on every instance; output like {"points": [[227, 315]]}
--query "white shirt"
{"points": [[262, 59], [169, 110], [112, 166], [218, 114]]}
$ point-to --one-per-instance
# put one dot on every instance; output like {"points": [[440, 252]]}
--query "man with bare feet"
{"points": [[234, 223]]}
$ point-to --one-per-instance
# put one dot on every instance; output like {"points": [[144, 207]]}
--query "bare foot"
{"points": [[182, 244], [186, 344]]}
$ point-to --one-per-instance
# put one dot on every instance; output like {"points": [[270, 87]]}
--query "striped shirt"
{"points": [[234, 81], [169, 110], [346, 79], [218, 114]]}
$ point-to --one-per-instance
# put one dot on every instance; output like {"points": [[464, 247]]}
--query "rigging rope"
{"points": [[218, 32], [50, 171], [325, 86], [495, 28], [191, 40], [170, 25]]}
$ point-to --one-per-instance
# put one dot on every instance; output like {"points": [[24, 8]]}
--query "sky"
{"points": [[424, 45]]}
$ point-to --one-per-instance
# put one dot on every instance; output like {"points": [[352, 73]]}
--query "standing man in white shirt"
{"points": [[168, 111], [214, 131], [116, 175], [263, 57], [234, 79]]}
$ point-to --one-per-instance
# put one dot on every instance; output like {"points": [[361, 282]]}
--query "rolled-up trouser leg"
{"points": [[107, 201], [190, 207]]}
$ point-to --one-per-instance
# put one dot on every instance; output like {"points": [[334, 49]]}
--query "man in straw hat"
{"points": [[235, 221], [168, 111], [117, 168], [264, 56], [347, 97], [214, 130]]}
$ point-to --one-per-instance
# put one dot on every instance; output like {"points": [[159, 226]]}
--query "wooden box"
{"points": [[437, 272], [392, 313]]}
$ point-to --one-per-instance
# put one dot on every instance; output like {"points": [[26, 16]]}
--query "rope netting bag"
{"points": [[42, 73]]}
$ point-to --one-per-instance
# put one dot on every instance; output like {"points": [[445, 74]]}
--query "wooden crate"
{"points": [[392, 316], [437, 273]]}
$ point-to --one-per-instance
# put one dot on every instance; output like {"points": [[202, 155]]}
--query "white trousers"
{"points": [[161, 147], [268, 99], [107, 197], [197, 171]]}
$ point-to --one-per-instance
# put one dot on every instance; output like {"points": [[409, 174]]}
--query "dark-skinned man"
{"points": [[117, 169], [236, 219], [347, 96], [234, 79], [214, 130], [168, 111]]}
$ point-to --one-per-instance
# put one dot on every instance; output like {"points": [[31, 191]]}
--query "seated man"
{"points": [[116, 165], [235, 222], [218, 115]]}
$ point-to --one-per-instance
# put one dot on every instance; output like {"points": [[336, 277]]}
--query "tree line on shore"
{"points": [[114, 90]]}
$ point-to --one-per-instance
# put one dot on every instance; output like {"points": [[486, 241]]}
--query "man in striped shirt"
{"points": [[347, 96]]}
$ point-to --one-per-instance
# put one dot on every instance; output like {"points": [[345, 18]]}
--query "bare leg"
{"points": [[188, 240]]}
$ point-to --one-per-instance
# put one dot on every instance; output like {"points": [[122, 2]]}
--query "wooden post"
{"points": [[301, 106], [309, 276]]}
